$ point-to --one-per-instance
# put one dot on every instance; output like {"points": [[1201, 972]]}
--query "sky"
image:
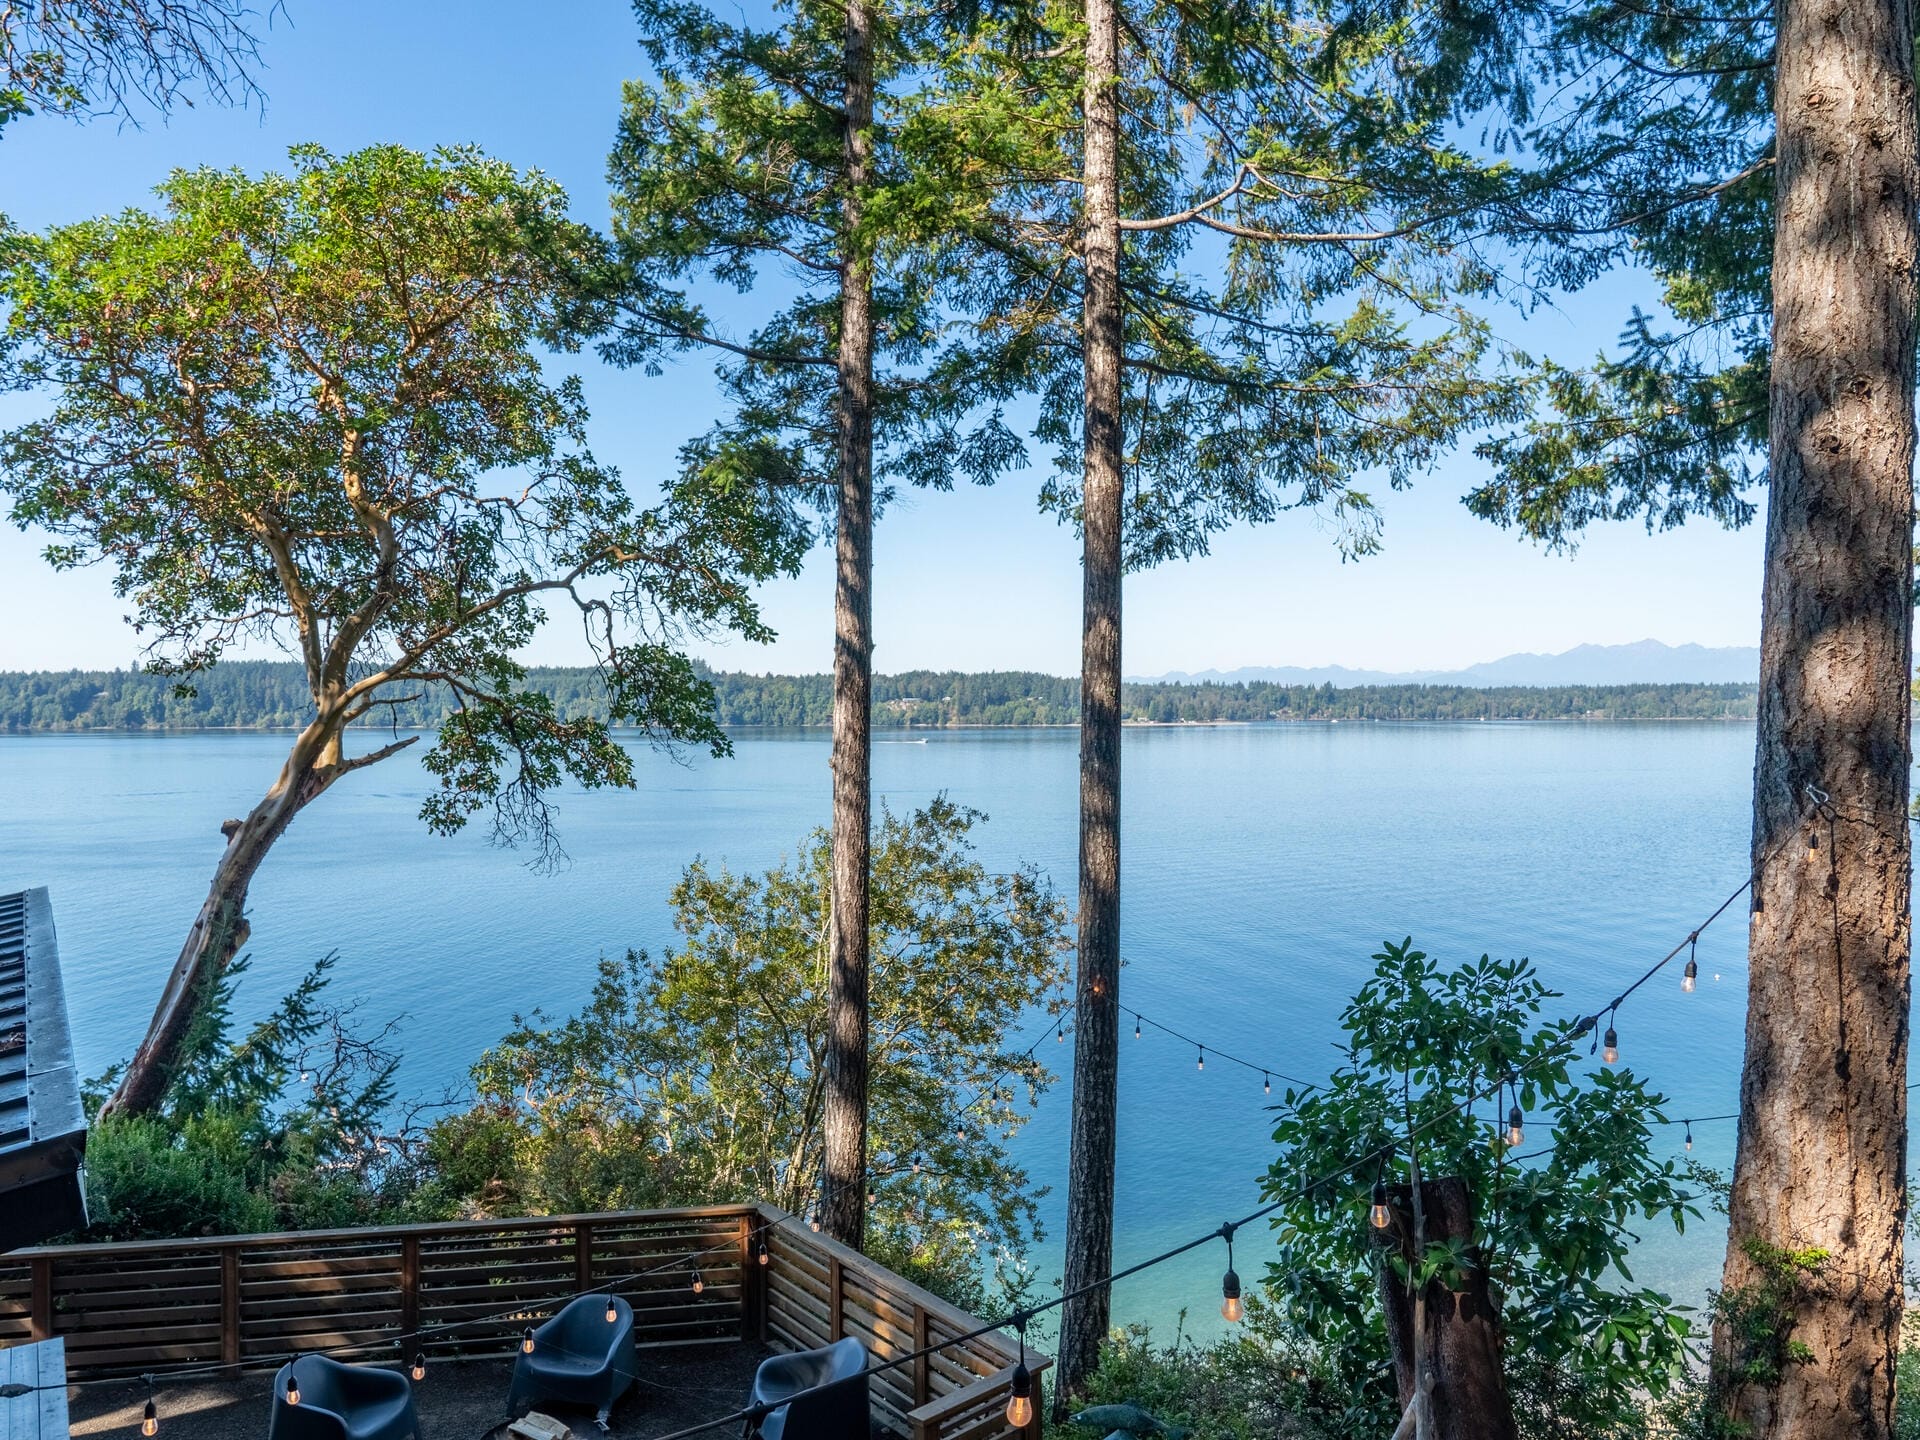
{"points": [[969, 580]]}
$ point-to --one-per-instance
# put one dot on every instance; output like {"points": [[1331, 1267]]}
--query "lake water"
{"points": [[1262, 867]]}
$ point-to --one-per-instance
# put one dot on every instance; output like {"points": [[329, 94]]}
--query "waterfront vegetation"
{"points": [[273, 695]]}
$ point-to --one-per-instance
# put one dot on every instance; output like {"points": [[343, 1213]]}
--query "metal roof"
{"points": [[43, 1129]]}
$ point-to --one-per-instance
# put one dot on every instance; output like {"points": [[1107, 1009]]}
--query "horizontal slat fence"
{"points": [[250, 1300]]}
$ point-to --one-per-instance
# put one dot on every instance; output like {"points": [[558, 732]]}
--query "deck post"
{"points": [[41, 1304], [230, 1305], [410, 1288], [836, 1298], [583, 1255], [922, 1367]]}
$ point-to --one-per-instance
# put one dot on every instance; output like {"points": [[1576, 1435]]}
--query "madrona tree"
{"points": [[1230, 249], [312, 411], [76, 57], [1762, 162], [770, 155]]}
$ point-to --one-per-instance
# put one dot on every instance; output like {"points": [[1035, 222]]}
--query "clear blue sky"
{"points": [[969, 580]]}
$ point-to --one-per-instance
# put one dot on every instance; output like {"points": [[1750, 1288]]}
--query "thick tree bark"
{"points": [[1459, 1344], [844, 1204], [221, 927], [1823, 1122], [1096, 1053]]}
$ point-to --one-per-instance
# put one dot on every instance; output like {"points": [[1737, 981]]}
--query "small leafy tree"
{"points": [[1425, 1046], [698, 1077], [313, 412]]}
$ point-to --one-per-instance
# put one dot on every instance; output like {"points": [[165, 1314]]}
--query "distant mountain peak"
{"points": [[1638, 662]]}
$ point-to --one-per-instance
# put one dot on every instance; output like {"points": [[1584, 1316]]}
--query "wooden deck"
{"points": [[41, 1414], [464, 1291]]}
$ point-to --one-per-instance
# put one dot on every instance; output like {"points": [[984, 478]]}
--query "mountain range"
{"points": [[1644, 662]]}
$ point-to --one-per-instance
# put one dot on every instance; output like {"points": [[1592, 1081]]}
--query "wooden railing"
{"points": [[250, 1300]]}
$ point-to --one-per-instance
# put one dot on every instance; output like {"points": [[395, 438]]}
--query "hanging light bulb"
{"points": [[1266, 1085], [1813, 845], [1382, 1217], [613, 1315], [1020, 1402], [1689, 1127], [1610, 1047], [150, 1417], [871, 1197], [1060, 1033], [293, 1388], [419, 1366], [760, 1252], [813, 1221], [699, 1282], [1201, 1063], [526, 1341], [1231, 1310], [1515, 1134], [1690, 976], [1136, 1025], [916, 1164], [960, 1133]]}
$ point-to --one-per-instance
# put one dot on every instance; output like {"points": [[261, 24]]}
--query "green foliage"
{"points": [[313, 411], [1651, 137], [1554, 1222], [278, 1129], [1244, 1387], [269, 695], [697, 1077]]}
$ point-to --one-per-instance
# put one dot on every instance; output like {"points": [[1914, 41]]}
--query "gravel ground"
{"points": [[459, 1400]]}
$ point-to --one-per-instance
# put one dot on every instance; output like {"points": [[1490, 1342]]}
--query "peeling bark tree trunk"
{"points": [[1096, 1052], [1460, 1348], [221, 927], [1822, 1152], [844, 1211]]}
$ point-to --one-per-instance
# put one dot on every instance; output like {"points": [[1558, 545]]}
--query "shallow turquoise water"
{"points": [[1262, 866]]}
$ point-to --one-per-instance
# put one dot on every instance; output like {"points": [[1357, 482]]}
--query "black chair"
{"points": [[841, 1413], [341, 1402], [579, 1358]]}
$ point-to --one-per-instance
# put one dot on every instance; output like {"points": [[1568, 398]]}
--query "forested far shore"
{"points": [[272, 695]]}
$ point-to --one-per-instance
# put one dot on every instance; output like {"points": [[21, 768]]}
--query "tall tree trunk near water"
{"points": [[1096, 1052], [220, 929], [1823, 1114], [844, 1209]]}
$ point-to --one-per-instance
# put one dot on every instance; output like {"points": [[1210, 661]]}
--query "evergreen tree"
{"points": [[1231, 250]]}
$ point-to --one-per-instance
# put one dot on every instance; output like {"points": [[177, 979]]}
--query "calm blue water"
{"points": [[1262, 867]]}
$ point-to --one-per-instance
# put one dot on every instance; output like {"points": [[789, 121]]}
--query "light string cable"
{"points": [[1497, 1085]]}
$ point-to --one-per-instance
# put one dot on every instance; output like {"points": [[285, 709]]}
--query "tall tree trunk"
{"points": [[221, 928], [844, 1205], [1096, 1053], [1823, 1122]]}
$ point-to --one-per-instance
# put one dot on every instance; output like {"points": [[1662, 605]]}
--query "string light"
{"points": [[813, 1221], [959, 1133], [760, 1252], [1515, 1132], [1060, 1032], [916, 1164], [419, 1365], [1813, 845], [699, 1281], [871, 1197], [1231, 1310], [1020, 1400], [526, 1341], [293, 1381], [1691, 974], [1201, 1063], [1382, 1217], [613, 1315], [1136, 1024], [1266, 1083], [1610, 1046], [1689, 1125], [150, 1417]]}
